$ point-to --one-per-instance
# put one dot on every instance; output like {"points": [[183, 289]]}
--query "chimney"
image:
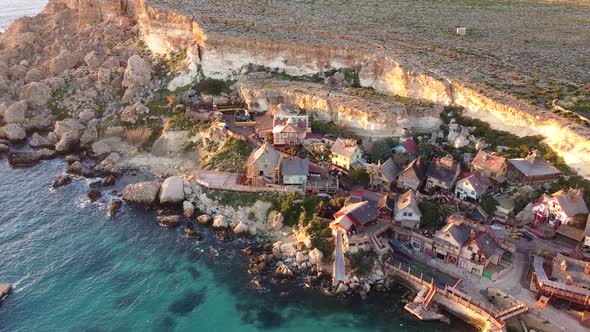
{"points": [[563, 265], [569, 281], [587, 268], [472, 234]]}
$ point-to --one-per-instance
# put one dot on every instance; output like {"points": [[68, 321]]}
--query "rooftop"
{"points": [[294, 166], [534, 165], [344, 147]]}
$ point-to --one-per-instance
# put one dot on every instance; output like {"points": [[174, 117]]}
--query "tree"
{"points": [[382, 150], [359, 175], [489, 204]]}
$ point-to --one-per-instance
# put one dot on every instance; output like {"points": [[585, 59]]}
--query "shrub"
{"points": [[361, 262], [137, 137], [212, 86], [382, 150], [489, 204], [321, 127]]}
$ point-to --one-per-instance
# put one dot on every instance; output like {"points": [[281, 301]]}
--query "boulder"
{"points": [[36, 94], [39, 122], [94, 195], [68, 125], [4, 84], [56, 83], [61, 181], [4, 148], [38, 141], [16, 113], [13, 132], [188, 209], [45, 154], [109, 181], [92, 60], [89, 135], [204, 219], [131, 113], [62, 62], [100, 148], [114, 207], [301, 257], [220, 222], [86, 115], [288, 249], [17, 72], [138, 72], [342, 288], [241, 228], [23, 159], [78, 169], [172, 190], [68, 142], [168, 221], [33, 75], [103, 76], [70, 159], [283, 271], [143, 193], [316, 256]]}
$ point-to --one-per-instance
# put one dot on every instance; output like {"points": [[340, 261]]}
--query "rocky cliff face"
{"points": [[223, 56]]}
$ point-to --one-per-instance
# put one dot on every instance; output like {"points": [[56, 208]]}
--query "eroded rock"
{"points": [[143, 193]]}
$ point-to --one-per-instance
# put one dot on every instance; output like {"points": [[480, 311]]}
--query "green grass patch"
{"points": [[362, 262], [55, 105], [232, 157]]}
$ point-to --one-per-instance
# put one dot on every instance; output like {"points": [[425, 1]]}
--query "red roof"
{"points": [[410, 146]]}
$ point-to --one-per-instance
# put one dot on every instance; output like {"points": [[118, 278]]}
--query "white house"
{"points": [[345, 152], [473, 186], [407, 211], [562, 208]]}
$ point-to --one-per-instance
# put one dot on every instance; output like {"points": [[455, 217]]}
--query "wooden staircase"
{"points": [[429, 296]]}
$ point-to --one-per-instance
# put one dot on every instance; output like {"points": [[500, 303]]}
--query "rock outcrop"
{"points": [[143, 193], [138, 72], [36, 94], [172, 191]]}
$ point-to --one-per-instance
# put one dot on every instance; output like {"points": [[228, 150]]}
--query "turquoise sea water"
{"points": [[76, 270]]}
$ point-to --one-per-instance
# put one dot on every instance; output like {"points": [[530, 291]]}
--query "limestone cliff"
{"points": [[224, 55]]}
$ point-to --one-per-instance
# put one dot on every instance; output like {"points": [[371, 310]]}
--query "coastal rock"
{"points": [[192, 233], [89, 135], [68, 125], [36, 94], [16, 112], [241, 228], [138, 72], [23, 159], [39, 122], [70, 159], [283, 271], [38, 141], [275, 221], [204, 219], [94, 195], [342, 288], [301, 257], [56, 83], [78, 169], [62, 62], [92, 60], [17, 72], [187, 209], [131, 113], [114, 207], [45, 154], [220, 222], [109, 181], [86, 115], [316, 256], [4, 85], [100, 148], [4, 148], [172, 191], [61, 181], [33, 75], [168, 221], [143, 193], [103, 76], [288, 249], [13, 132], [68, 142]]}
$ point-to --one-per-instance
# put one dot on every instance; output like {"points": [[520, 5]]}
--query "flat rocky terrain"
{"points": [[526, 48]]}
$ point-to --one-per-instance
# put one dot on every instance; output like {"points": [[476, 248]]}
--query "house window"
{"points": [[470, 248]]}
